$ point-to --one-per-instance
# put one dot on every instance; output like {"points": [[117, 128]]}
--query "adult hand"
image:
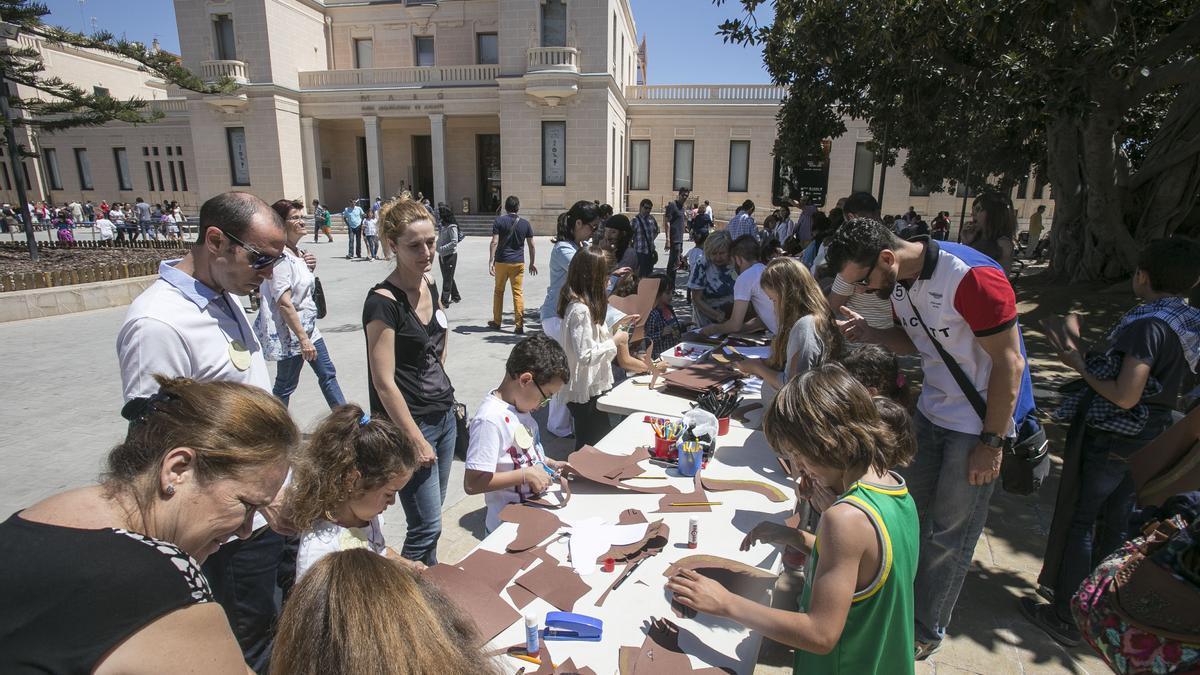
{"points": [[747, 366], [855, 328], [492, 269], [766, 532], [425, 454], [310, 260], [622, 271], [308, 350], [536, 479], [983, 464], [533, 269], [699, 592]]}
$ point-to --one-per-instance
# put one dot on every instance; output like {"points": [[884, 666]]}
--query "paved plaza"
{"points": [[62, 394]]}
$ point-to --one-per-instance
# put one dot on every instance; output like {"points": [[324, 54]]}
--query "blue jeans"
{"points": [[354, 242], [645, 264], [243, 575], [425, 492], [287, 376], [952, 513]]}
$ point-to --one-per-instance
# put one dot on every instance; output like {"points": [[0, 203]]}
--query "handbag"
{"points": [[1026, 459], [1168, 465], [463, 439], [319, 297]]}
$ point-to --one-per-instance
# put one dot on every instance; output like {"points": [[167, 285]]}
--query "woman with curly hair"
{"points": [[343, 481]]}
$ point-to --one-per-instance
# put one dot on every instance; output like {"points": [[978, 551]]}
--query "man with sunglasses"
{"points": [[953, 304], [189, 324], [877, 311], [505, 459]]}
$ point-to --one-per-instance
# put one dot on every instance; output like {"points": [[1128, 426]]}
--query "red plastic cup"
{"points": [[722, 426], [663, 448], [609, 565]]}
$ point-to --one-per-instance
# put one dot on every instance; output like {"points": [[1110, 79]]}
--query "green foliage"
{"points": [[62, 105]]}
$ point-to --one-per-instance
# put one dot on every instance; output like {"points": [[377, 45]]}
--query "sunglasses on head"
{"points": [[258, 259]]}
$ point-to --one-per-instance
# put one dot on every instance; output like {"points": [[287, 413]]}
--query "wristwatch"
{"points": [[991, 440]]}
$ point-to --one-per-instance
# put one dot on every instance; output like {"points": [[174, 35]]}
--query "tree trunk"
{"points": [[1065, 171], [1165, 189]]}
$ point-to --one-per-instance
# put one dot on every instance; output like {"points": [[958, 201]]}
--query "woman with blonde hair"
{"points": [[710, 284], [406, 376], [357, 612], [106, 578], [807, 337]]}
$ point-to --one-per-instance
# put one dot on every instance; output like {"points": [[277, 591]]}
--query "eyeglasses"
{"points": [[865, 282], [259, 260], [545, 398]]}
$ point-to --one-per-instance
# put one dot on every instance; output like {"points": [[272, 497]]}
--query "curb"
{"points": [[58, 300]]}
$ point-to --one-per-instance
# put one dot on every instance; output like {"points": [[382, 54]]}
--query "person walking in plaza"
{"points": [[966, 298], [743, 223], [676, 216], [448, 238], [321, 223], [353, 217], [511, 234], [1035, 230], [645, 231], [286, 325], [406, 332], [106, 578], [189, 324], [145, 223]]}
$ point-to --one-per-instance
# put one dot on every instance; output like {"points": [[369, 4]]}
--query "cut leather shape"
{"points": [[765, 489], [520, 596], [493, 570], [739, 578], [652, 544], [613, 470], [567, 667], [558, 585], [485, 607], [700, 377], [533, 525], [565, 494], [696, 496], [660, 654]]}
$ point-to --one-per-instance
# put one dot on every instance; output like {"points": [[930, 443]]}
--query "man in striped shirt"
{"points": [[876, 311]]}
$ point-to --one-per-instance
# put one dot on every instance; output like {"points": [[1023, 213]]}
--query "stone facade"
{"points": [[438, 82]]}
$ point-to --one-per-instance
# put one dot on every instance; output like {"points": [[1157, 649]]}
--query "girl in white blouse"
{"points": [[589, 343]]}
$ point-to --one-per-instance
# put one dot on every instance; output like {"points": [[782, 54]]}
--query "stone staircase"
{"points": [[474, 225]]}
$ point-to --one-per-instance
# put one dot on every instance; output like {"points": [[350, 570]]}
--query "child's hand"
{"points": [[767, 532], [555, 464], [536, 479], [699, 593], [816, 494]]}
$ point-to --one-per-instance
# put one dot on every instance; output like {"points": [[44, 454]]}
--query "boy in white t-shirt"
{"points": [[747, 292], [371, 232], [505, 458]]}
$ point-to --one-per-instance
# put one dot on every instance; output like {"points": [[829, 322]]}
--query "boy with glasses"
{"points": [[505, 458]]}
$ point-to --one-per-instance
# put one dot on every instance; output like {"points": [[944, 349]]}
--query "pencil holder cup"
{"points": [[664, 448], [690, 462], [722, 426]]}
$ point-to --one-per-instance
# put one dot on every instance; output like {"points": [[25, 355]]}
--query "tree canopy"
{"points": [[1103, 97]]}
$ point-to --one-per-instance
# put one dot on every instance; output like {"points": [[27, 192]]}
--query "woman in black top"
{"points": [[406, 350], [106, 578]]}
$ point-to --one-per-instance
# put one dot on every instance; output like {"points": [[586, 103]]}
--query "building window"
{"points": [[239, 163], [145, 151], [100, 92], [915, 190], [554, 23], [51, 157], [487, 48], [149, 176], [739, 166], [224, 48], [85, 168], [614, 44], [182, 177], [7, 180], [121, 160], [864, 168], [554, 153], [179, 150], [639, 165], [424, 48], [158, 174], [154, 151], [364, 54], [684, 151], [25, 173]]}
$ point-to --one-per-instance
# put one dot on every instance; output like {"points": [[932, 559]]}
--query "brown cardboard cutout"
{"points": [[700, 377], [564, 487], [660, 654], [696, 496], [547, 667], [632, 555], [739, 578], [639, 303], [613, 470], [520, 596], [765, 489], [556, 584], [486, 608], [493, 570], [533, 525]]}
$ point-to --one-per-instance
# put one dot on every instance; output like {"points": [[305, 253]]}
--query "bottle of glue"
{"points": [[532, 643], [693, 532]]}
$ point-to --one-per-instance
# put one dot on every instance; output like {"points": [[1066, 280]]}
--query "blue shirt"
{"points": [[741, 225], [353, 216], [511, 232], [560, 260]]}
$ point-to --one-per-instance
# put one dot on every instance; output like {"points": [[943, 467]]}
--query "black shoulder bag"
{"points": [[1026, 460], [319, 297]]}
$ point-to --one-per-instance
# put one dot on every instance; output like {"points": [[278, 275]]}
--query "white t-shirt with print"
{"points": [[748, 287], [502, 439], [326, 537]]}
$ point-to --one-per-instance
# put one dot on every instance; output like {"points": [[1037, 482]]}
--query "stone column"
{"points": [[310, 138], [437, 132], [374, 157]]}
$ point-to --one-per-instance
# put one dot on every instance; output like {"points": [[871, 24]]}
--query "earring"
{"points": [[170, 490]]}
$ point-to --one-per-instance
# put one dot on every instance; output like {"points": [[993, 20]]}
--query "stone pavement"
{"points": [[62, 395]]}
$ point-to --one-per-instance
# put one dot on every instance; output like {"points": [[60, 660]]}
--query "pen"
{"points": [[695, 503], [531, 659]]}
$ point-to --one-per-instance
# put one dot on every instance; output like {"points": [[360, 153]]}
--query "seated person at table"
{"points": [[590, 344], [343, 480], [711, 282], [356, 612], [662, 325], [747, 291], [505, 459], [807, 334], [856, 609], [878, 369]]}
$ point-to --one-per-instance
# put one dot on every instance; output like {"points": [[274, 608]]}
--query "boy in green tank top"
{"points": [[856, 610]]}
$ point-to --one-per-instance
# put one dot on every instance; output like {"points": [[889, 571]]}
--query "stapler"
{"points": [[570, 626]]}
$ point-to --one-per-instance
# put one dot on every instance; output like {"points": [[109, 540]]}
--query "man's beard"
{"points": [[885, 292]]}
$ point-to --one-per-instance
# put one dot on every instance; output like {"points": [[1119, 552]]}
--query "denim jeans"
{"points": [[243, 575], [645, 263], [372, 245], [354, 242], [425, 492], [952, 513], [287, 376]]}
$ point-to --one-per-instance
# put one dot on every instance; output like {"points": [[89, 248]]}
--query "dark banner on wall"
{"points": [[806, 179]]}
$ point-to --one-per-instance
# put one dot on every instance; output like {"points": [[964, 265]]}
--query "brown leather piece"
{"points": [[660, 654], [485, 607], [533, 525], [700, 377], [613, 470], [765, 489], [558, 585], [696, 496], [739, 578]]}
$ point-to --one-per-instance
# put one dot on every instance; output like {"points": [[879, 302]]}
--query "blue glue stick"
{"points": [[532, 644]]}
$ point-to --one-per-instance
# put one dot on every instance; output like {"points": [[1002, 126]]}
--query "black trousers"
{"points": [[448, 263], [244, 576], [591, 424], [673, 261]]}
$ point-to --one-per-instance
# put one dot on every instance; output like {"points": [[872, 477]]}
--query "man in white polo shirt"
{"points": [[188, 324], [961, 298]]}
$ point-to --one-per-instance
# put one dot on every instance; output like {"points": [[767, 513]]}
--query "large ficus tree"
{"points": [[1103, 97]]}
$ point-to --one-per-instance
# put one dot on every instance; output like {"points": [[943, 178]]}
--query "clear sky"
{"points": [[681, 39]]}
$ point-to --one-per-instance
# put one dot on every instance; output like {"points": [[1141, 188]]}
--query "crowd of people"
{"points": [[212, 507], [118, 221]]}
